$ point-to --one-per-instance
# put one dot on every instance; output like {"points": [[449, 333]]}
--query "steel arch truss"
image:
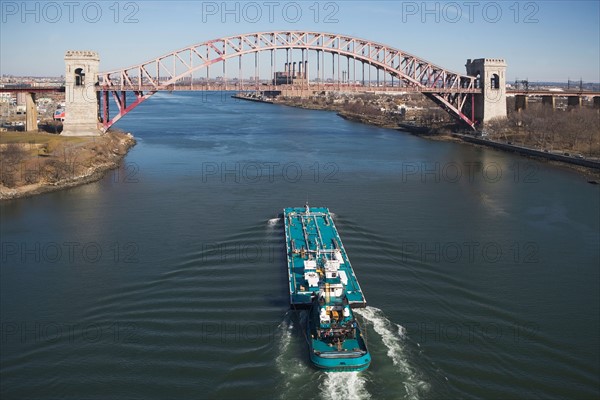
{"points": [[448, 89]]}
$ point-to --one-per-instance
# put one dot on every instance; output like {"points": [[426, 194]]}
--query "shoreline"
{"points": [[100, 166], [433, 133]]}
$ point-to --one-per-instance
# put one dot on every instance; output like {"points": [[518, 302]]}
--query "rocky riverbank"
{"points": [[35, 163], [377, 120], [405, 113]]}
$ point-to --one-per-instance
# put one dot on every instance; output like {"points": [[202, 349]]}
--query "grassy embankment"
{"points": [[32, 163]]}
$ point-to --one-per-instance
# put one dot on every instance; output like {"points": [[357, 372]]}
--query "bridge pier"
{"points": [[521, 102], [491, 78], [31, 114], [574, 101], [81, 99], [549, 101]]}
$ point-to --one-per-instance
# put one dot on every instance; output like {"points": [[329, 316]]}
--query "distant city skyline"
{"points": [[540, 41]]}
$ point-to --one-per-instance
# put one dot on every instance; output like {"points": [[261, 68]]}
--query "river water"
{"points": [[167, 279]]}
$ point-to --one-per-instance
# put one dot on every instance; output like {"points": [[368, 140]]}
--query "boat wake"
{"points": [[392, 336], [344, 386], [299, 378], [285, 363], [292, 368], [273, 221]]}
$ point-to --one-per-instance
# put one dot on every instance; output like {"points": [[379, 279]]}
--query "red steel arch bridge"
{"points": [[175, 70]]}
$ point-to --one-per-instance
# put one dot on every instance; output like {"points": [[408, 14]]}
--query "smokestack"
{"points": [[305, 69], [294, 70]]}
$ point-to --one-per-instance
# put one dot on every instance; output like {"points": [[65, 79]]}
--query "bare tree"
{"points": [[13, 155]]}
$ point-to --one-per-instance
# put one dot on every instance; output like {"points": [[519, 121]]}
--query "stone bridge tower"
{"points": [[491, 77], [81, 100]]}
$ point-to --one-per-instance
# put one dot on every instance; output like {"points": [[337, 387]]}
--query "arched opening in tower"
{"points": [[79, 77], [495, 82]]}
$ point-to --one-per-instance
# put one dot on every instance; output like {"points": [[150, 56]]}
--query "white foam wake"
{"points": [[344, 386], [298, 377], [293, 370], [288, 366], [392, 336], [273, 221]]}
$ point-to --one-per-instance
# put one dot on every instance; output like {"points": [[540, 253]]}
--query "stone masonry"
{"points": [[81, 101], [491, 103]]}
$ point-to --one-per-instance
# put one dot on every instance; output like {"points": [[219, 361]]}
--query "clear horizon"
{"points": [[549, 41]]}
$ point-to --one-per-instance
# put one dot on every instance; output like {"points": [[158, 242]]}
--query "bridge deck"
{"points": [[314, 87], [552, 93]]}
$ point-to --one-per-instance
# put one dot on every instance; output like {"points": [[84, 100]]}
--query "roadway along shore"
{"points": [[35, 163]]}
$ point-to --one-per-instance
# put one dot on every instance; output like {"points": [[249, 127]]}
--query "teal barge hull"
{"points": [[308, 236], [336, 343], [322, 280]]}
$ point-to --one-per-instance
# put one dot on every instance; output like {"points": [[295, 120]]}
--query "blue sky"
{"points": [[540, 40]]}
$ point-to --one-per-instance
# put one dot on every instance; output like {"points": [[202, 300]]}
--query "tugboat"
{"points": [[322, 280]]}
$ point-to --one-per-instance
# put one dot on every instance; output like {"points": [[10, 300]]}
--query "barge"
{"points": [[321, 279]]}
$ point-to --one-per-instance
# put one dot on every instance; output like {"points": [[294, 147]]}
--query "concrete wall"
{"points": [[531, 152], [81, 102], [21, 98], [492, 102], [31, 124]]}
